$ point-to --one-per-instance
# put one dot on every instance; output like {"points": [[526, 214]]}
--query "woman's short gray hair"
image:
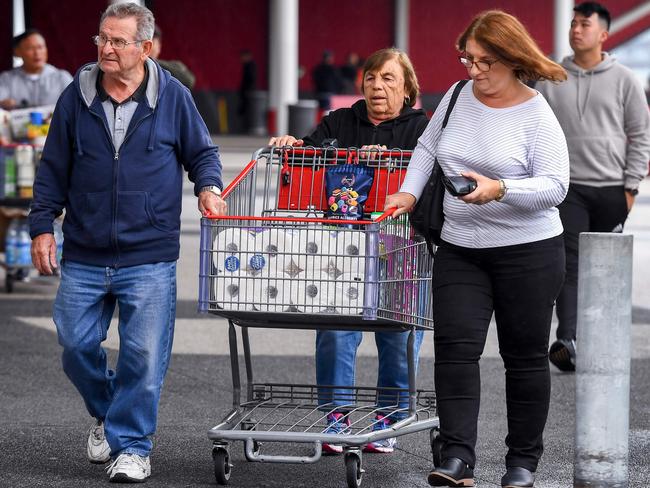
{"points": [[377, 59], [143, 17]]}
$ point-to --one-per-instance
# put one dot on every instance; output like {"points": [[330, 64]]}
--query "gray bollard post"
{"points": [[603, 361]]}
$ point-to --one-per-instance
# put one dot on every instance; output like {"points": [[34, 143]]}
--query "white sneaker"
{"points": [[97, 448], [129, 468]]}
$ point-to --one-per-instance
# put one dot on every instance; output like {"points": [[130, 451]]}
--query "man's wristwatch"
{"points": [[214, 189], [632, 191]]}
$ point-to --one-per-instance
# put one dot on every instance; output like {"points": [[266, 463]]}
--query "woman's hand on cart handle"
{"points": [[44, 253], [212, 205], [371, 152], [402, 201], [285, 140]]}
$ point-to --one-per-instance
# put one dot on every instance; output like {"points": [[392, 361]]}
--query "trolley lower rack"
{"points": [[297, 413]]}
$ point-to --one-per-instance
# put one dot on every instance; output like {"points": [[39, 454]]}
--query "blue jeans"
{"points": [[125, 399], [336, 353]]}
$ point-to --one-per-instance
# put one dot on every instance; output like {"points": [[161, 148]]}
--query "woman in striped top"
{"points": [[501, 250]]}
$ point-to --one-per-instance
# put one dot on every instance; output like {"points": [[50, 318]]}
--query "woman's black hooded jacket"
{"points": [[352, 128]]}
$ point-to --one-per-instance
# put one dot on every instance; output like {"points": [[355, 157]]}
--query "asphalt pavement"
{"points": [[43, 421]]}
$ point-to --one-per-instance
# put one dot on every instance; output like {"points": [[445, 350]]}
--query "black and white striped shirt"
{"points": [[522, 145]]}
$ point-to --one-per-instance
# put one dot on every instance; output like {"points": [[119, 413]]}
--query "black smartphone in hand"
{"points": [[459, 185]]}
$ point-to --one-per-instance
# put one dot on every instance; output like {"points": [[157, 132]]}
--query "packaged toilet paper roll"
{"points": [[350, 243], [312, 294], [271, 251], [275, 295], [236, 292], [348, 295], [231, 251]]}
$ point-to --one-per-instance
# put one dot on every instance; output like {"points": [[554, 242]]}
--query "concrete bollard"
{"points": [[603, 361]]}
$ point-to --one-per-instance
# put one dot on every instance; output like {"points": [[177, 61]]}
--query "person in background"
{"points": [[350, 74], [327, 81], [502, 251], [177, 68], [120, 139], [604, 114], [36, 82], [247, 84], [385, 118]]}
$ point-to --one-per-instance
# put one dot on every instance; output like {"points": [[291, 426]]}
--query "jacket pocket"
{"points": [[88, 223], [136, 219]]}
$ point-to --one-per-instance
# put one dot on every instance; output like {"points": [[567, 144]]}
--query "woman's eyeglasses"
{"points": [[482, 65]]}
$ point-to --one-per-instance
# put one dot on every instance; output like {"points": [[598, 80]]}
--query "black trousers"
{"points": [[519, 284], [585, 209]]}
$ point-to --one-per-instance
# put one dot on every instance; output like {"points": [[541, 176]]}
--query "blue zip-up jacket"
{"points": [[122, 207]]}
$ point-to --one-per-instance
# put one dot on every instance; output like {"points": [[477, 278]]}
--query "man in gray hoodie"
{"points": [[604, 114]]}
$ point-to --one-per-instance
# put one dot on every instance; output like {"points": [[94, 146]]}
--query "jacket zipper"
{"points": [[116, 164]]}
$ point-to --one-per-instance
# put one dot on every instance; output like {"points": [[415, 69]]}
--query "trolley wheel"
{"points": [[436, 446], [9, 282], [353, 470], [222, 466]]}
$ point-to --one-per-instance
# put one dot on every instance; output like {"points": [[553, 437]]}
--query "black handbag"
{"points": [[427, 215]]}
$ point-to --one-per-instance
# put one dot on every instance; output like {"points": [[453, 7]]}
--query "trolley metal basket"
{"points": [[277, 261]]}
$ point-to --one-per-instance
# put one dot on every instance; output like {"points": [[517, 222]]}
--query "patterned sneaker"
{"points": [[336, 424], [97, 448], [129, 468], [384, 446]]}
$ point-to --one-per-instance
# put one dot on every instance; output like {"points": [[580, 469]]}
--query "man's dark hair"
{"points": [[21, 37], [157, 33], [589, 8]]}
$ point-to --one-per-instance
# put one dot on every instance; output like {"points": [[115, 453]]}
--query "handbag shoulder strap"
{"points": [[452, 101]]}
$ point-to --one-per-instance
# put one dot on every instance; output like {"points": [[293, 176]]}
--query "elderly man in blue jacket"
{"points": [[120, 139]]}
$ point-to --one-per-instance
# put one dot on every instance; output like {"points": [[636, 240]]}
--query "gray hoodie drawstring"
{"points": [[584, 105]]}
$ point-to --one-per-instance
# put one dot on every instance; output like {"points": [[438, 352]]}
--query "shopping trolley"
{"points": [[277, 261]]}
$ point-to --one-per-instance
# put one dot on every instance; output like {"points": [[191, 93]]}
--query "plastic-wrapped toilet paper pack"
{"points": [[275, 295], [351, 252], [350, 243], [303, 249], [272, 252], [311, 295], [236, 292], [328, 251], [232, 251], [347, 298]]}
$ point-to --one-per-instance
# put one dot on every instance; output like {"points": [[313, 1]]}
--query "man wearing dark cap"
{"points": [[35, 82]]}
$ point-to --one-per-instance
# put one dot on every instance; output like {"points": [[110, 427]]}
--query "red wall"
{"points": [[209, 34], [362, 26], [68, 27], [435, 27]]}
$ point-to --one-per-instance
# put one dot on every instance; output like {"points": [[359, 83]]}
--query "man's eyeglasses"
{"points": [[482, 65], [101, 41]]}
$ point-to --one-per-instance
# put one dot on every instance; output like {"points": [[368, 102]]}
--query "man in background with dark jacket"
{"points": [[121, 136], [177, 68]]}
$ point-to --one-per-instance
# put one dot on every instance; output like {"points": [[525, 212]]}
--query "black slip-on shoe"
{"points": [[452, 472], [562, 354], [517, 477]]}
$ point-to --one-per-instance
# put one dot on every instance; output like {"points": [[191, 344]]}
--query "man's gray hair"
{"points": [[143, 17]]}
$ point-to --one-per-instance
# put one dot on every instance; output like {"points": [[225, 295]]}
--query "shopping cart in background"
{"points": [[276, 261]]}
